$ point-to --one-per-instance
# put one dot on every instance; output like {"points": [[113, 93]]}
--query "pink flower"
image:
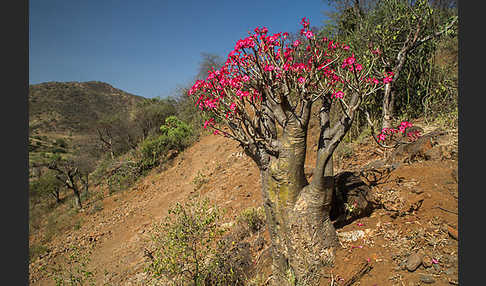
{"points": [[350, 60], [359, 224], [245, 78], [309, 34], [208, 122], [296, 43], [268, 68], [301, 80], [346, 48], [387, 80], [233, 106], [435, 261], [359, 67], [381, 137], [216, 132], [338, 94], [305, 22]]}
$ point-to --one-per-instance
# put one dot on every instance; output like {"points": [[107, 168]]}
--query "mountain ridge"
{"points": [[64, 107]]}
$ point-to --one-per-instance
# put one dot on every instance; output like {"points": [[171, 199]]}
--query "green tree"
{"points": [[151, 114], [68, 174], [404, 34], [46, 185]]}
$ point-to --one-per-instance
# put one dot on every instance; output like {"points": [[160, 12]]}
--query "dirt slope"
{"points": [[418, 213]]}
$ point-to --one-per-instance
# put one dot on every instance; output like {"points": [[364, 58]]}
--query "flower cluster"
{"points": [[310, 65], [402, 128]]}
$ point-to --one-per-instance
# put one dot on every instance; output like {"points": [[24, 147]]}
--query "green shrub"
{"points": [[152, 149], [35, 250], [199, 180], [72, 270], [123, 177], [60, 142], [176, 135], [58, 150], [344, 150], [254, 218], [186, 244]]}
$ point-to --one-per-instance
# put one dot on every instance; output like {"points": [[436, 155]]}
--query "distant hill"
{"points": [[72, 107]]}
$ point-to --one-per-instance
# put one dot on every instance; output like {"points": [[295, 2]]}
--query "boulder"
{"points": [[413, 262], [350, 199]]}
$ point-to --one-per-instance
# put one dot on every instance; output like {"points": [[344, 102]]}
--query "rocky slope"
{"points": [[410, 238]]}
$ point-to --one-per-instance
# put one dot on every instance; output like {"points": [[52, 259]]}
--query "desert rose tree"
{"points": [[262, 98]]}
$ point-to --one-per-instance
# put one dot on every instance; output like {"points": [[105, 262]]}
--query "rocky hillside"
{"points": [[63, 107], [409, 238]]}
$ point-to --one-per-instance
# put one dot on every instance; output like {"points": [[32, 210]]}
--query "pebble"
{"points": [[427, 262], [449, 271], [413, 262], [452, 232], [428, 279]]}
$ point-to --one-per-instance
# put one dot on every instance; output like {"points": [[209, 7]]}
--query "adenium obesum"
{"points": [[313, 66], [385, 132]]}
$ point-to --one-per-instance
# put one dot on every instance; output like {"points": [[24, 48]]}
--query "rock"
{"points": [[427, 261], [425, 278], [455, 175], [349, 236], [449, 271], [452, 232], [413, 262], [228, 225], [416, 150], [435, 154], [350, 200]]}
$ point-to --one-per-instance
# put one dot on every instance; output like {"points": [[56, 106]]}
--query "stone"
{"points": [[427, 262], [413, 262], [452, 232], [449, 271], [350, 236], [425, 278]]}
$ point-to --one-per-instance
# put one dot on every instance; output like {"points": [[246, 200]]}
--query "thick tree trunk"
{"points": [[303, 237]]}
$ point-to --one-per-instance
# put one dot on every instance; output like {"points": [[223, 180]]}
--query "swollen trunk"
{"points": [[303, 238]]}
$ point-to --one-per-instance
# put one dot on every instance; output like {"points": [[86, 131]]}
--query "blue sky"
{"points": [[147, 47]]}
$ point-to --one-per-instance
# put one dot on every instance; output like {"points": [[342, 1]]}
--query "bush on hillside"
{"points": [[186, 247], [176, 135]]}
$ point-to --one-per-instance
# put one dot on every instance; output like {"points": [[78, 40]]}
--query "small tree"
{"points": [[151, 113], [117, 134], [68, 174], [185, 243], [262, 98], [46, 184]]}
